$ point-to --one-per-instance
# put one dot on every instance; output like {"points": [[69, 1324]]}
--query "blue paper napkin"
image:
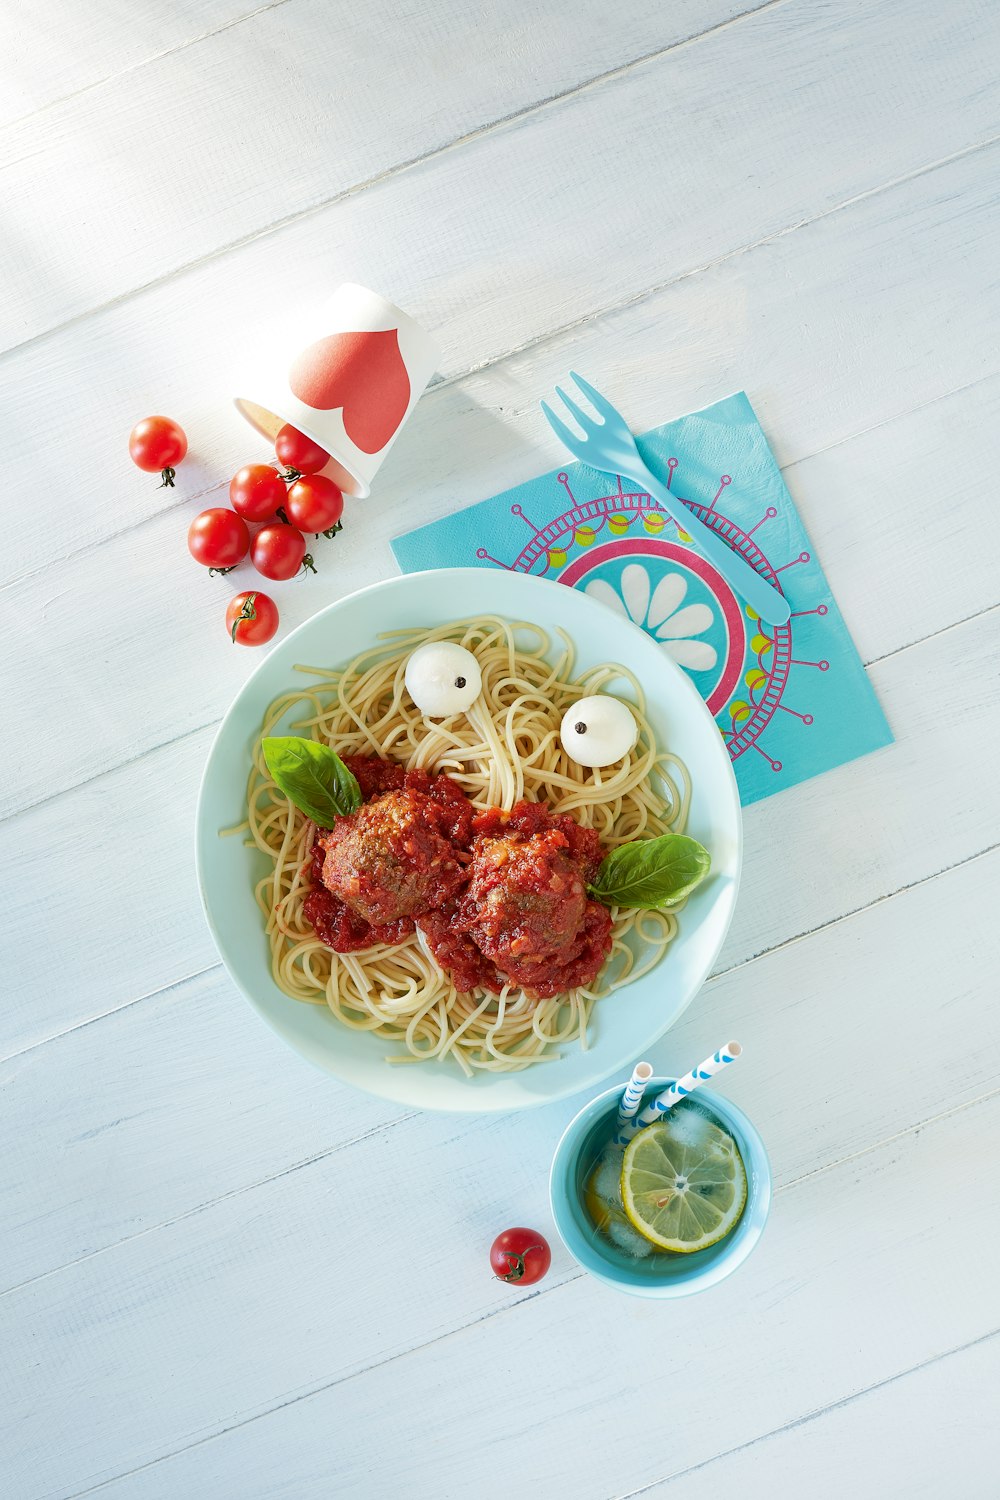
{"points": [[791, 701]]}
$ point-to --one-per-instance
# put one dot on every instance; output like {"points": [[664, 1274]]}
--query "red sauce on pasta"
{"points": [[500, 897]]}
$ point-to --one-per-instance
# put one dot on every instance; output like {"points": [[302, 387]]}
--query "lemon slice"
{"points": [[683, 1182], [602, 1197], [603, 1201]]}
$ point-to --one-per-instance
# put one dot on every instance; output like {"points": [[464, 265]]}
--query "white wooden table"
{"points": [[224, 1275]]}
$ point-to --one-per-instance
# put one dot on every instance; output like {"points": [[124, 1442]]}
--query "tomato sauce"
{"points": [[500, 897], [525, 908]]}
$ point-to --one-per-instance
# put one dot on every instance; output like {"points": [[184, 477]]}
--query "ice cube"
{"points": [[688, 1126], [628, 1239], [608, 1177]]}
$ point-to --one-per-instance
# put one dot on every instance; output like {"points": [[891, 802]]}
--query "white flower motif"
{"points": [[661, 615]]}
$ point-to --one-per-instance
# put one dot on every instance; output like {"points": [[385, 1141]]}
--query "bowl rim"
{"points": [[749, 1229], [476, 1100]]}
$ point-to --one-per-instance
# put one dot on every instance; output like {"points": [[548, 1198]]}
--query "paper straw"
{"points": [[659, 1106], [634, 1090]]}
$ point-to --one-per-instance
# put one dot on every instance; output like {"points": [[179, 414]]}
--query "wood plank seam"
{"points": [[145, 62], [207, 1203], [407, 165], [850, 437], [659, 287], [503, 1309], [856, 911], [812, 1416], [716, 974], [897, 1135], [376, 1130], [601, 312], [157, 994], [251, 15], [922, 640], [175, 739], [211, 723], [317, 1390], [538, 341]]}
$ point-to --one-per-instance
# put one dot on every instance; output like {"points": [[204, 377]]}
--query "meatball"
{"points": [[526, 818], [337, 925], [375, 776], [392, 858], [526, 909]]}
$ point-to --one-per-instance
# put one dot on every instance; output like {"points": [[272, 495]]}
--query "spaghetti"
{"points": [[504, 749]]}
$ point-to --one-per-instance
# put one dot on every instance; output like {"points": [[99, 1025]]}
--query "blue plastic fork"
{"points": [[609, 445]]}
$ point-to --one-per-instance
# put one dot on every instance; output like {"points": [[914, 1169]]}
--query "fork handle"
{"points": [[771, 605]]}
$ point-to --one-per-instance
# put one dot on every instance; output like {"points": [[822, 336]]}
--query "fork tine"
{"points": [[562, 432], [598, 402], [587, 423]]}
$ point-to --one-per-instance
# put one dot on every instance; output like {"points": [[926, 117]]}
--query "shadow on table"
{"points": [[455, 451]]}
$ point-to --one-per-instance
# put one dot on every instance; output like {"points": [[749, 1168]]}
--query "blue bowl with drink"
{"points": [[605, 1243]]}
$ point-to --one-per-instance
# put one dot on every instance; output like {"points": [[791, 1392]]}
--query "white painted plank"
{"points": [[159, 1111], [830, 845], [125, 885], [797, 1328], [923, 1433], [189, 1098], [186, 1098], [52, 53], [109, 877], [904, 541], [160, 612], [492, 251], [260, 122]]}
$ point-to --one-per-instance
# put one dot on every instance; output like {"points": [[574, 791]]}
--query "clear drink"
{"points": [[685, 1185], [660, 1273]]}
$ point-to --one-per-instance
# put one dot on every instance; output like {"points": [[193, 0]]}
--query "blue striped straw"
{"points": [[659, 1106], [634, 1090]]}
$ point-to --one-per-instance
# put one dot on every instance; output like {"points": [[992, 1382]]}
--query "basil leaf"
{"points": [[313, 777], [651, 872]]}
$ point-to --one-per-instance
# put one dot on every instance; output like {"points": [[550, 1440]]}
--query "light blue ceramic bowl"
{"points": [[625, 1024], [657, 1275]]}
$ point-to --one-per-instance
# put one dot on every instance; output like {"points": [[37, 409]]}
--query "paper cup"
{"points": [[350, 389]]}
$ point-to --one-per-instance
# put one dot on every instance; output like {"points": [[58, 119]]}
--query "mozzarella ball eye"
{"points": [[443, 678], [598, 731]]}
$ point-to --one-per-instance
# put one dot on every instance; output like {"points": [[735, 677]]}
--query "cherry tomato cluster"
{"points": [[286, 503]]}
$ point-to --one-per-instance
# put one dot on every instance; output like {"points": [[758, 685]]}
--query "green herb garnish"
{"points": [[313, 777], [651, 872]]}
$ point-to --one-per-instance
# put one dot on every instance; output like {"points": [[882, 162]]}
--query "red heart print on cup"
{"points": [[364, 375]]}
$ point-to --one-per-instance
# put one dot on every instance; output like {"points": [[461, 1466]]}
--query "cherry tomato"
{"points": [[157, 443], [315, 504], [218, 539], [520, 1256], [251, 618], [296, 451], [279, 552], [256, 491]]}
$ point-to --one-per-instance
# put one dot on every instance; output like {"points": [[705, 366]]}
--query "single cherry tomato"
{"points": [[256, 491], [157, 443], [218, 539], [296, 451], [520, 1255], [279, 552], [315, 504], [251, 618]]}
